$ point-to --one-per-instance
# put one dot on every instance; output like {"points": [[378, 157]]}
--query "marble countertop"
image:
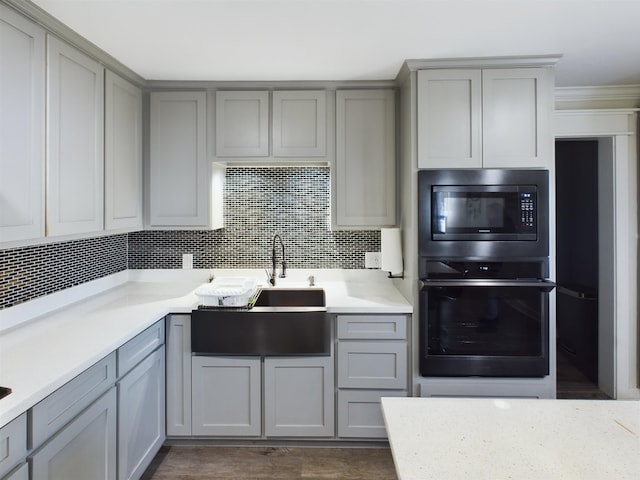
{"points": [[494, 439], [46, 342]]}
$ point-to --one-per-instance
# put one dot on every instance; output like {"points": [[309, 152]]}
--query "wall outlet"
{"points": [[372, 260], [187, 260]]}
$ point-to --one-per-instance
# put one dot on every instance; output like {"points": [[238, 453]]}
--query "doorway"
{"points": [[585, 268]]}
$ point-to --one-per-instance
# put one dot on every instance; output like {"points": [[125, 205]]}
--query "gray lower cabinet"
{"points": [[141, 415], [226, 396], [13, 444], [299, 397], [178, 367], [84, 449], [372, 363]]}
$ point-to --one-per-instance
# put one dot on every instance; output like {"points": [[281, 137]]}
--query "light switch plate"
{"points": [[371, 259], [187, 260]]}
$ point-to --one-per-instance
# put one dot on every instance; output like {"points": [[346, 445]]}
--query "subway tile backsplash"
{"points": [[259, 202], [31, 272], [294, 202]]}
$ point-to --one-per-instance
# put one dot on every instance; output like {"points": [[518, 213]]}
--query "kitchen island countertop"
{"points": [[46, 342], [495, 439]]}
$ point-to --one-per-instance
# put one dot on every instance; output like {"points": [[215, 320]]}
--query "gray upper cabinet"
{"points": [[450, 118], [123, 154], [22, 106], [299, 123], [178, 168], [75, 145], [485, 118], [242, 123], [364, 177]]}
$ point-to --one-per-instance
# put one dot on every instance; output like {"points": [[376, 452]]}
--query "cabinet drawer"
{"points": [[55, 411], [360, 413], [374, 327], [136, 349], [20, 473], [13, 443], [372, 365]]}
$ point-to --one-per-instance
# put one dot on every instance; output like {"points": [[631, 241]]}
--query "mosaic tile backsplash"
{"points": [[31, 272], [294, 202], [259, 202]]}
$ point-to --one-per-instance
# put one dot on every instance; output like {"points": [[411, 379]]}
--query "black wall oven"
{"points": [[484, 298]]}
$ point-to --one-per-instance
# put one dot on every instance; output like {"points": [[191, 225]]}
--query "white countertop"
{"points": [[493, 439], [48, 341]]}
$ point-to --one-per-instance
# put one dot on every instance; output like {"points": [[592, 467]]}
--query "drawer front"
{"points": [[13, 443], [20, 473], [360, 412], [55, 411], [136, 349], [372, 327], [372, 365]]}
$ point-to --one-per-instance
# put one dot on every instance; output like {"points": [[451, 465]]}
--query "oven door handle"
{"points": [[543, 285]]}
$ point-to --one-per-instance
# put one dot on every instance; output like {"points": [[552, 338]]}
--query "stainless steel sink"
{"points": [[291, 297], [282, 322]]}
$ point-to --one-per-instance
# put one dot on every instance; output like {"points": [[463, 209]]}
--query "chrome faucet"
{"points": [[283, 273]]}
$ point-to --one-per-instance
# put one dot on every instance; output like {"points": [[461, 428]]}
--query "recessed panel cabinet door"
{"points": [[179, 174], [449, 119], [299, 123], [22, 70], [75, 147], [517, 109], [242, 123], [364, 176], [123, 154]]}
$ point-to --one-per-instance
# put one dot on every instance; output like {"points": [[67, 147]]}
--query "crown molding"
{"points": [[606, 96], [483, 62], [60, 30]]}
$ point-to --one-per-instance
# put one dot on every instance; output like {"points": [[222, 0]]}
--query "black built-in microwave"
{"points": [[483, 213]]}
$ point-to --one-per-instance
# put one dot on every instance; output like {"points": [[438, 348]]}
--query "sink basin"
{"points": [[4, 391], [291, 297], [282, 322]]}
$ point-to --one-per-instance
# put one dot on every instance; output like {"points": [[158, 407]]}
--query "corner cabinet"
{"points": [[75, 141], [178, 169], [123, 154], [485, 118], [22, 134], [364, 177]]}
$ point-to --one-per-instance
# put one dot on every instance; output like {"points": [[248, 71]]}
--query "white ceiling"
{"points": [[219, 40]]}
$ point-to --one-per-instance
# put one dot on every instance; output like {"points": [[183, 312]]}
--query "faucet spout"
{"points": [[283, 271]]}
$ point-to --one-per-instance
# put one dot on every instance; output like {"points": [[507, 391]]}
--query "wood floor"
{"points": [[270, 463]]}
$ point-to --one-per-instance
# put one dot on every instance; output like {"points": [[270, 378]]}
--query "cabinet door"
{"points": [[20, 473], [85, 448], [122, 154], [372, 365], [449, 119], [179, 375], [365, 173], [179, 174], [141, 416], [75, 145], [242, 124], [517, 110], [298, 397], [22, 63], [226, 395], [13, 443], [299, 123], [360, 413]]}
